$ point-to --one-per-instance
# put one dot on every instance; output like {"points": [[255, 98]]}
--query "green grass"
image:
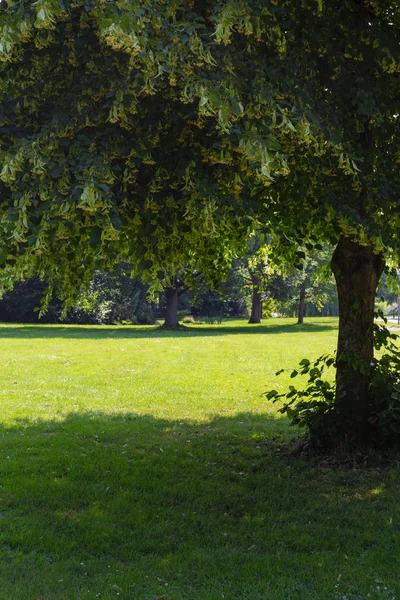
{"points": [[137, 464]]}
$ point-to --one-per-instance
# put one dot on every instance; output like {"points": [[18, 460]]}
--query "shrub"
{"points": [[313, 407], [110, 298]]}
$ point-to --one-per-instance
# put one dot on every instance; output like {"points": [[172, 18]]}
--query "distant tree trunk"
{"points": [[171, 310], [256, 302], [357, 270], [302, 301]]}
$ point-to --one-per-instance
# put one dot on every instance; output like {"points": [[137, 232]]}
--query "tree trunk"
{"points": [[357, 270], [171, 310], [256, 302], [302, 301]]}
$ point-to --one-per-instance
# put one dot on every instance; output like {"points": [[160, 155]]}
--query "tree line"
{"points": [[253, 289]]}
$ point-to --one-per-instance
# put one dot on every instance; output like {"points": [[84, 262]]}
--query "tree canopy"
{"points": [[140, 125]]}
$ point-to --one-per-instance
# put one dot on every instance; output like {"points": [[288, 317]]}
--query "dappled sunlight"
{"points": [[375, 492]]}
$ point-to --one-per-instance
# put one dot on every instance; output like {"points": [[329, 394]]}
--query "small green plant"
{"points": [[385, 387], [314, 406]]}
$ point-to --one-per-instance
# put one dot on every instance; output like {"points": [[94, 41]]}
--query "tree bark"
{"points": [[171, 310], [302, 301], [256, 302], [357, 270]]}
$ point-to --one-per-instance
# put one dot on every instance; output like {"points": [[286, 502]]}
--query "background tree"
{"points": [[173, 290], [113, 297], [313, 282], [256, 269], [229, 299]]}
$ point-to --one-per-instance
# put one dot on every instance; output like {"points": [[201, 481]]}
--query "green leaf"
{"points": [[95, 237], [116, 221]]}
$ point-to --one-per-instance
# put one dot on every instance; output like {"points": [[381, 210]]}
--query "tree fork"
{"points": [[357, 270]]}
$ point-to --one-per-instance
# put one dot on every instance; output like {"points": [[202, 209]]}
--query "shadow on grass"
{"points": [[131, 332], [137, 507]]}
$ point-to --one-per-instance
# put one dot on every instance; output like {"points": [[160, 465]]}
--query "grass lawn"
{"points": [[143, 464]]}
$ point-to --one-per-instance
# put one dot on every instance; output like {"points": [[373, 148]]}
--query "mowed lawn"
{"points": [[144, 464]]}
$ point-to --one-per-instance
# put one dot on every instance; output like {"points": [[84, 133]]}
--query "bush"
{"points": [[314, 406], [118, 298], [21, 304], [110, 298], [385, 388]]}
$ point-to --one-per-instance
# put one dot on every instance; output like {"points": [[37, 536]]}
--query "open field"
{"points": [[139, 464]]}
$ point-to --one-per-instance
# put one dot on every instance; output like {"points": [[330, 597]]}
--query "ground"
{"points": [[140, 464]]}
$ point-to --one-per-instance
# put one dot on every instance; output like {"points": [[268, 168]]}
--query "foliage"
{"points": [[269, 307], [310, 407], [388, 293], [256, 269], [385, 387], [91, 307], [314, 406], [22, 304], [255, 265], [208, 303], [119, 166], [312, 276], [236, 295], [114, 297], [229, 298], [110, 298]]}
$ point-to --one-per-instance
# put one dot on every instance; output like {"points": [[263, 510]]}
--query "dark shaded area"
{"points": [[122, 332], [111, 298], [132, 502], [357, 270]]}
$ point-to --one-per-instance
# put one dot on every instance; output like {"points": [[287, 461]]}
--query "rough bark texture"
{"points": [[171, 310], [302, 301], [357, 271], [256, 303]]}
